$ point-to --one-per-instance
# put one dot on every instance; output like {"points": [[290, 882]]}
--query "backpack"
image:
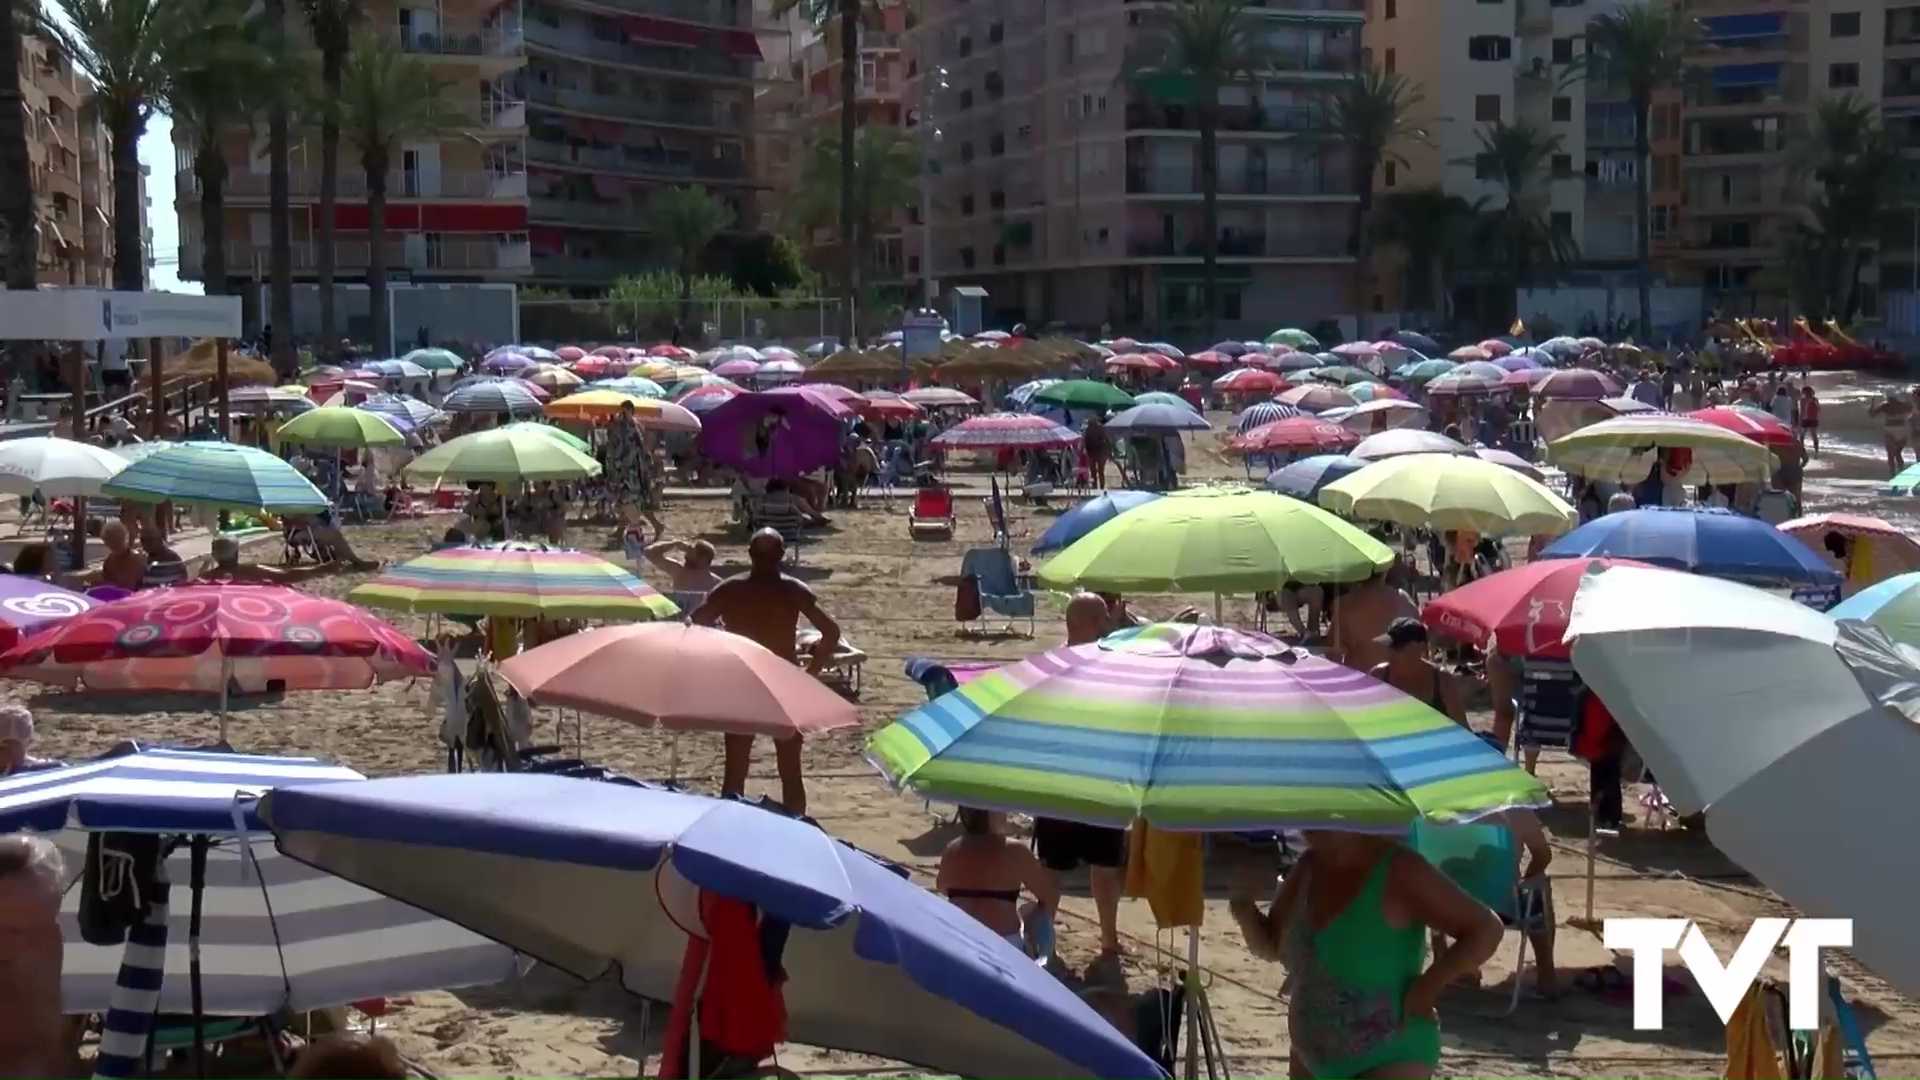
{"points": [[116, 888], [966, 600]]}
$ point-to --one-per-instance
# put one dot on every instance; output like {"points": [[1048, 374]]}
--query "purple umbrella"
{"points": [[507, 362], [771, 435], [27, 604], [1518, 362]]}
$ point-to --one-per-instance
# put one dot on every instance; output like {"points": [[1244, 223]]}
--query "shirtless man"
{"points": [[692, 571], [123, 566], [1361, 614], [765, 606], [228, 567]]}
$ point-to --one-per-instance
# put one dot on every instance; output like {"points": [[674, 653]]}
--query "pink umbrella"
{"points": [[1578, 384], [1209, 358], [208, 638], [736, 369], [1249, 381], [836, 408], [596, 365], [1469, 352], [684, 678], [1140, 362], [778, 352], [671, 352], [1122, 345], [611, 352], [571, 352], [1496, 348], [836, 392], [887, 405], [1317, 398], [1523, 378], [1356, 350]]}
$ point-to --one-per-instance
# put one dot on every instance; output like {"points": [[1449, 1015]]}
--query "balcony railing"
{"points": [[1241, 246], [1356, 7], [700, 11], [1232, 182], [455, 39], [447, 184], [246, 259], [690, 61], [633, 160], [587, 213], [1291, 118], [715, 116]]}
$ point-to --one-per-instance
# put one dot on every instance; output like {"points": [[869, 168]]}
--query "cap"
{"points": [[1404, 630]]}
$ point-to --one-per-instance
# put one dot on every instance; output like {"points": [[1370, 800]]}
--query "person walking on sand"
{"points": [[1894, 413], [765, 606]]}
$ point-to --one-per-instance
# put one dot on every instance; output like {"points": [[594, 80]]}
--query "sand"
{"points": [[893, 596]]}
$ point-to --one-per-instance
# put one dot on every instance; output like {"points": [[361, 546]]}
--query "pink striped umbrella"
{"points": [[1317, 398], [1006, 431], [1295, 434], [736, 369], [839, 410], [571, 352]]}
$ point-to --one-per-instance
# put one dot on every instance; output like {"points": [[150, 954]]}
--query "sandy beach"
{"points": [[894, 598]]}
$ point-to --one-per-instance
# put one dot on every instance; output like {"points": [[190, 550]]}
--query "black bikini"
{"points": [[1011, 896]]}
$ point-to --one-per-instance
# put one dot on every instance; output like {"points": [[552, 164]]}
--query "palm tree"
{"points": [[16, 169], [1208, 45], [221, 76], [1515, 157], [1858, 175], [127, 49], [333, 23], [820, 13], [686, 220], [1369, 115], [280, 216], [1643, 45], [1429, 226], [387, 96], [886, 171]]}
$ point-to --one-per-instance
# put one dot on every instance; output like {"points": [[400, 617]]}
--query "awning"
{"points": [[1737, 27], [1017, 233], [1731, 75], [1176, 89], [664, 32], [742, 43]]}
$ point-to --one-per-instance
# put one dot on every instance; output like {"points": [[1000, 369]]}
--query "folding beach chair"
{"points": [[932, 514], [1001, 590], [1484, 860]]}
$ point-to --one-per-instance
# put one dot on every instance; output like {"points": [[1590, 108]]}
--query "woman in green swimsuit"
{"points": [[1351, 924]]}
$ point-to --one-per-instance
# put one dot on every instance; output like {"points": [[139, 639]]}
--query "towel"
{"points": [[1751, 1054], [1168, 869]]}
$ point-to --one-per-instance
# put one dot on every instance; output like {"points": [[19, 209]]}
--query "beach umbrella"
{"points": [[1356, 351], [254, 400], [1576, 383], [1469, 352], [777, 370], [1337, 375], [603, 879], [1792, 732], [939, 397], [1561, 347], [28, 604], [400, 406], [1524, 360], [1303, 479], [56, 467], [1084, 394], [1626, 406], [208, 638], [1496, 348], [665, 416], [1418, 342], [555, 378], [829, 390], [1463, 384], [1509, 460], [777, 352], [1088, 516], [705, 399], [508, 363], [736, 369], [435, 360], [1249, 381], [1163, 349], [1211, 358], [1171, 723], [502, 456], [1299, 433], [1762, 428], [1880, 549], [398, 369], [593, 367], [1419, 371], [1406, 441], [1892, 605], [1156, 419], [1364, 392], [340, 427], [771, 435], [1293, 338], [513, 398], [569, 353], [732, 353], [836, 407], [1521, 613], [1262, 414], [1525, 378], [502, 350], [1382, 413], [1316, 398], [548, 431], [1483, 368], [1139, 362], [218, 475], [887, 405], [1451, 492], [1712, 542], [516, 581], [1021, 396], [592, 405], [1625, 451], [1162, 397], [1213, 540], [633, 385], [1006, 431], [1229, 348]]}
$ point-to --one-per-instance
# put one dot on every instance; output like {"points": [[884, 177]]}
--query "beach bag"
{"points": [[966, 599], [116, 887]]}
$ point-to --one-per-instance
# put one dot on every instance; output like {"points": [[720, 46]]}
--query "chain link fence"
{"points": [[798, 322]]}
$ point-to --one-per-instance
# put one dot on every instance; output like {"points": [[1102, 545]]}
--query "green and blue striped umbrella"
{"points": [[1198, 728], [220, 475]]}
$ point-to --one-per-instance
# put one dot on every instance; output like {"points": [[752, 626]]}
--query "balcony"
{"points": [[446, 184], [1186, 183], [572, 212], [1295, 119], [455, 39], [1288, 7], [634, 161], [417, 252], [1241, 246], [718, 116], [709, 12], [1532, 16], [705, 63]]}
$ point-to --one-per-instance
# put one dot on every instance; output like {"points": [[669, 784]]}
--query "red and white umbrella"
{"points": [[1209, 358], [887, 405], [939, 397], [1249, 381], [1143, 361], [1006, 431], [1317, 398], [1296, 434], [1762, 428]]}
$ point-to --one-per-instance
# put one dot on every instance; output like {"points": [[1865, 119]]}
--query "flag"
{"points": [[1517, 329]]}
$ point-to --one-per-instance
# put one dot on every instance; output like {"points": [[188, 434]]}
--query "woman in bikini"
{"points": [[1895, 415], [983, 872], [1408, 670]]}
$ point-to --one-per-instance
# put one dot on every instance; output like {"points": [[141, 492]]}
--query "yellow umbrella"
{"points": [[599, 405], [1624, 451], [551, 377], [1446, 491]]}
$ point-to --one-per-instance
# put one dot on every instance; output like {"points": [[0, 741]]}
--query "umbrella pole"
{"points": [[226, 682], [198, 883], [1593, 830], [1193, 992]]}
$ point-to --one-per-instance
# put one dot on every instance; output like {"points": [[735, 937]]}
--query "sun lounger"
{"points": [[1001, 590], [932, 514], [846, 668]]}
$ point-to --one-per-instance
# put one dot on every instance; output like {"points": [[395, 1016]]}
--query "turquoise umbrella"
{"points": [[1424, 370], [434, 359], [1161, 397], [219, 475]]}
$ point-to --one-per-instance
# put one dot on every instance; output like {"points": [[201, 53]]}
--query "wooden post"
{"points": [[220, 386], [156, 399], [77, 357]]}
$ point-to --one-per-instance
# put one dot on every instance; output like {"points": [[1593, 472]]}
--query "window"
{"points": [[1387, 175], [1390, 9], [1563, 50], [1843, 24], [966, 257], [1486, 108], [999, 254], [966, 152], [1561, 222], [1389, 61], [1842, 76], [996, 144], [966, 206], [1563, 110], [1490, 47], [1562, 166], [995, 33], [913, 264], [966, 100], [997, 200]]}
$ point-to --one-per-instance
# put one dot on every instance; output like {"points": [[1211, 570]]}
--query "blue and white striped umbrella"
{"points": [[276, 934], [504, 396], [1021, 396], [398, 369], [217, 474], [415, 412], [1266, 412]]}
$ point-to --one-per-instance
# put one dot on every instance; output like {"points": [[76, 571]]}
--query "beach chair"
{"points": [[1001, 590], [932, 514], [1550, 694], [297, 542], [1484, 860], [162, 574], [844, 670]]}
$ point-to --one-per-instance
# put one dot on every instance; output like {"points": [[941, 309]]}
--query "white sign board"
{"points": [[920, 335], [96, 314]]}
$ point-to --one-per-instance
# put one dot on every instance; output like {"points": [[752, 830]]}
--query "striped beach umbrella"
{"points": [[519, 581], [1198, 728], [504, 396], [220, 475], [1006, 431], [1262, 414], [411, 409]]}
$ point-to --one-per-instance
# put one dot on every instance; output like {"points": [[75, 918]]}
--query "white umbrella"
{"points": [[1404, 441], [56, 467], [1795, 734], [1393, 412]]}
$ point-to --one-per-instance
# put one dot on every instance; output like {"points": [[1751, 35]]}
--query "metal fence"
{"points": [[702, 323]]}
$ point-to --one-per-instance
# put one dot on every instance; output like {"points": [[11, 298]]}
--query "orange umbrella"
{"points": [[685, 678]]}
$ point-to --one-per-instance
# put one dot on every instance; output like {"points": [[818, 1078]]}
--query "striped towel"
{"points": [[136, 993]]}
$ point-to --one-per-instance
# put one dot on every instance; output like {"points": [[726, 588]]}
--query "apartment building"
{"points": [[72, 177], [1072, 196]]}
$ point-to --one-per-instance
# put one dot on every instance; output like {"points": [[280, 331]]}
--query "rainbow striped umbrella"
{"points": [[515, 581], [1198, 728]]}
